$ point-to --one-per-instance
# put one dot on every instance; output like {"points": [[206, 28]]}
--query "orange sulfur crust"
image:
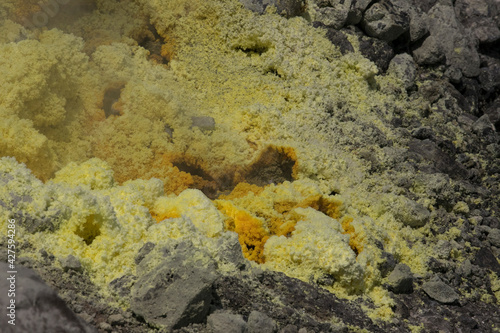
{"points": [[251, 231]]}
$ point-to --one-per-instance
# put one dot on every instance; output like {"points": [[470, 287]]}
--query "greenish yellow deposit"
{"points": [[122, 181]]}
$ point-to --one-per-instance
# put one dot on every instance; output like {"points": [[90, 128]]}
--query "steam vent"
{"points": [[249, 166]]}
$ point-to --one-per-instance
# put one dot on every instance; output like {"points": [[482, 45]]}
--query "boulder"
{"points": [[404, 68], [440, 291], [401, 280], [225, 322], [259, 322], [385, 20], [38, 309]]}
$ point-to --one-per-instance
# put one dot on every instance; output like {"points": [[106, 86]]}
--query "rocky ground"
{"points": [[446, 52]]}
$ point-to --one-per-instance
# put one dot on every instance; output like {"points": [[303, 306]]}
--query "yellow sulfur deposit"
{"points": [[101, 109]]}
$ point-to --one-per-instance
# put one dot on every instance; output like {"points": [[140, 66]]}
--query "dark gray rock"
{"points": [[143, 252], [458, 46], [404, 68], [290, 329], [259, 322], [438, 159], [485, 129], [385, 20], [478, 16], [378, 51], [440, 291], [176, 290], [116, 319], [430, 52], [401, 280], [122, 285], [485, 259], [453, 74], [339, 39], [494, 237], [412, 213], [422, 133], [489, 78], [71, 263], [493, 112], [38, 308], [286, 8], [332, 13], [388, 264], [418, 18], [224, 322], [358, 7]]}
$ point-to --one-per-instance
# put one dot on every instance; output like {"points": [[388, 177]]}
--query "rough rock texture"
{"points": [[173, 295], [479, 16], [403, 67], [37, 306], [440, 291], [220, 322], [259, 322], [385, 20], [401, 279]]}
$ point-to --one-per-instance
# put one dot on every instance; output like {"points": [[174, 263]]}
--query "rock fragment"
{"points": [[401, 279], [71, 263], [333, 13], [338, 39], [477, 15], [225, 322], [494, 237], [430, 52], [458, 46], [176, 291], [486, 259], [203, 123], [378, 51], [440, 291], [385, 20], [38, 308], [411, 213], [259, 322], [485, 129], [404, 68]]}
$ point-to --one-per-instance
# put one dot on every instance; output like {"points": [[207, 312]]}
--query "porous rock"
{"points": [[225, 322], [333, 13], [38, 308], [401, 279], [485, 129], [411, 213], [337, 38], [440, 291], [478, 16], [404, 68], [259, 322], [377, 51], [385, 20]]}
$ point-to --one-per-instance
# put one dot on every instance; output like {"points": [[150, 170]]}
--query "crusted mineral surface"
{"points": [[263, 166]]}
